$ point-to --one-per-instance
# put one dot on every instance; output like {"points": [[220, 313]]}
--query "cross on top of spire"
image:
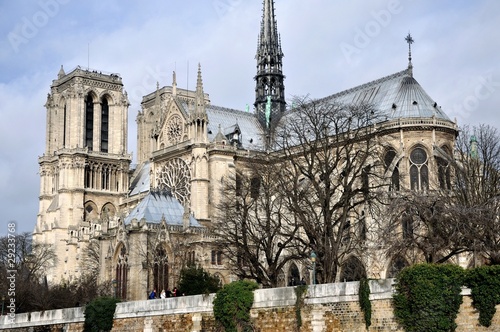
{"points": [[410, 41]]}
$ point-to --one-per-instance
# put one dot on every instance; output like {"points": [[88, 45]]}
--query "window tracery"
{"points": [[160, 269], [175, 176], [121, 275], [352, 270], [419, 171], [174, 129]]}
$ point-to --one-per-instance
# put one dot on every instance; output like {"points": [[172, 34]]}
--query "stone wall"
{"points": [[329, 307]]}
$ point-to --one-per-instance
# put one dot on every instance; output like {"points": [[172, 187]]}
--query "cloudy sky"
{"points": [[329, 46]]}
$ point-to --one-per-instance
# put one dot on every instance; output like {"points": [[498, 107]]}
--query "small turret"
{"points": [[198, 115], [61, 73]]}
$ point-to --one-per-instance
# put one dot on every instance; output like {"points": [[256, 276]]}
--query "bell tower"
{"points": [[269, 88], [84, 170]]}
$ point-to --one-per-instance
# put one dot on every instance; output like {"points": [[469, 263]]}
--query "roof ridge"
{"points": [[222, 108], [365, 85]]}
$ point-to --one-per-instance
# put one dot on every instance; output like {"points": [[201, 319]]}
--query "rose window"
{"points": [[175, 177]]}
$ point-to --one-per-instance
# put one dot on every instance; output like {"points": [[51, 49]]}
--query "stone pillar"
{"points": [[196, 323], [317, 320], [148, 324]]}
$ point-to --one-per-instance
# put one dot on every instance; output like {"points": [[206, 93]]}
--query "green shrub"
{"points": [[194, 280], [364, 301], [232, 305], [428, 297], [299, 303], [99, 314], [484, 283]]}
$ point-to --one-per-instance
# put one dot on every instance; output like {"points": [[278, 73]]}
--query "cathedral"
{"points": [[148, 221]]}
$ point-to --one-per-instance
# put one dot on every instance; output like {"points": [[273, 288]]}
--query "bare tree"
{"points": [[426, 227], [26, 261], [91, 259], [329, 177], [437, 225], [254, 231], [477, 193]]}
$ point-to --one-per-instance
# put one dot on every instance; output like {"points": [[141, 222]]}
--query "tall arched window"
{"points": [[397, 264], [121, 274], [444, 176], [362, 226], [407, 226], [104, 125], [388, 159], [89, 121], [160, 269], [419, 172], [352, 270], [293, 275], [65, 127]]}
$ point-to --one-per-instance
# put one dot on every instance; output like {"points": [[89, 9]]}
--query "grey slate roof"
{"points": [[140, 182], [157, 205], [229, 119], [395, 96]]}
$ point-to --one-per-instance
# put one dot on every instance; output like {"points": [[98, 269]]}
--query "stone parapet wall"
{"points": [[329, 307]]}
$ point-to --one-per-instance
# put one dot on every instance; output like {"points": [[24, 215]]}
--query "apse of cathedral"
{"points": [[147, 221]]}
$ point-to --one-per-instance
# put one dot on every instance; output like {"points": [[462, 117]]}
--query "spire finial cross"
{"points": [[410, 41]]}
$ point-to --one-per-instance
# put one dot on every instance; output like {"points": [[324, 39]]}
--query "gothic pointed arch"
{"points": [[121, 271], [160, 267], [91, 211], [105, 103], [65, 121], [108, 211], [90, 100], [293, 275], [106, 94], [396, 264], [352, 269], [419, 168]]}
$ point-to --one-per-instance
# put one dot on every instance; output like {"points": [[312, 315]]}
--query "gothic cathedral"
{"points": [[147, 221]]}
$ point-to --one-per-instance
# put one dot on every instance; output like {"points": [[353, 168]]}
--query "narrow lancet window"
{"points": [[89, 122]]}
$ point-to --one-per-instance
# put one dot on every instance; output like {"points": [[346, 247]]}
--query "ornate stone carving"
{"points": [[175, 176]]}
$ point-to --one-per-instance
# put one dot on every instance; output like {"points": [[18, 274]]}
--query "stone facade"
{"points": [[84, 170], [148, 221], [328, 307]]}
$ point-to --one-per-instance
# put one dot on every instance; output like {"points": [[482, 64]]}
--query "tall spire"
{"points": [[269, 88], [199, 108], [174, 84], [200, 96], [410, 41], [198, 115]]}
